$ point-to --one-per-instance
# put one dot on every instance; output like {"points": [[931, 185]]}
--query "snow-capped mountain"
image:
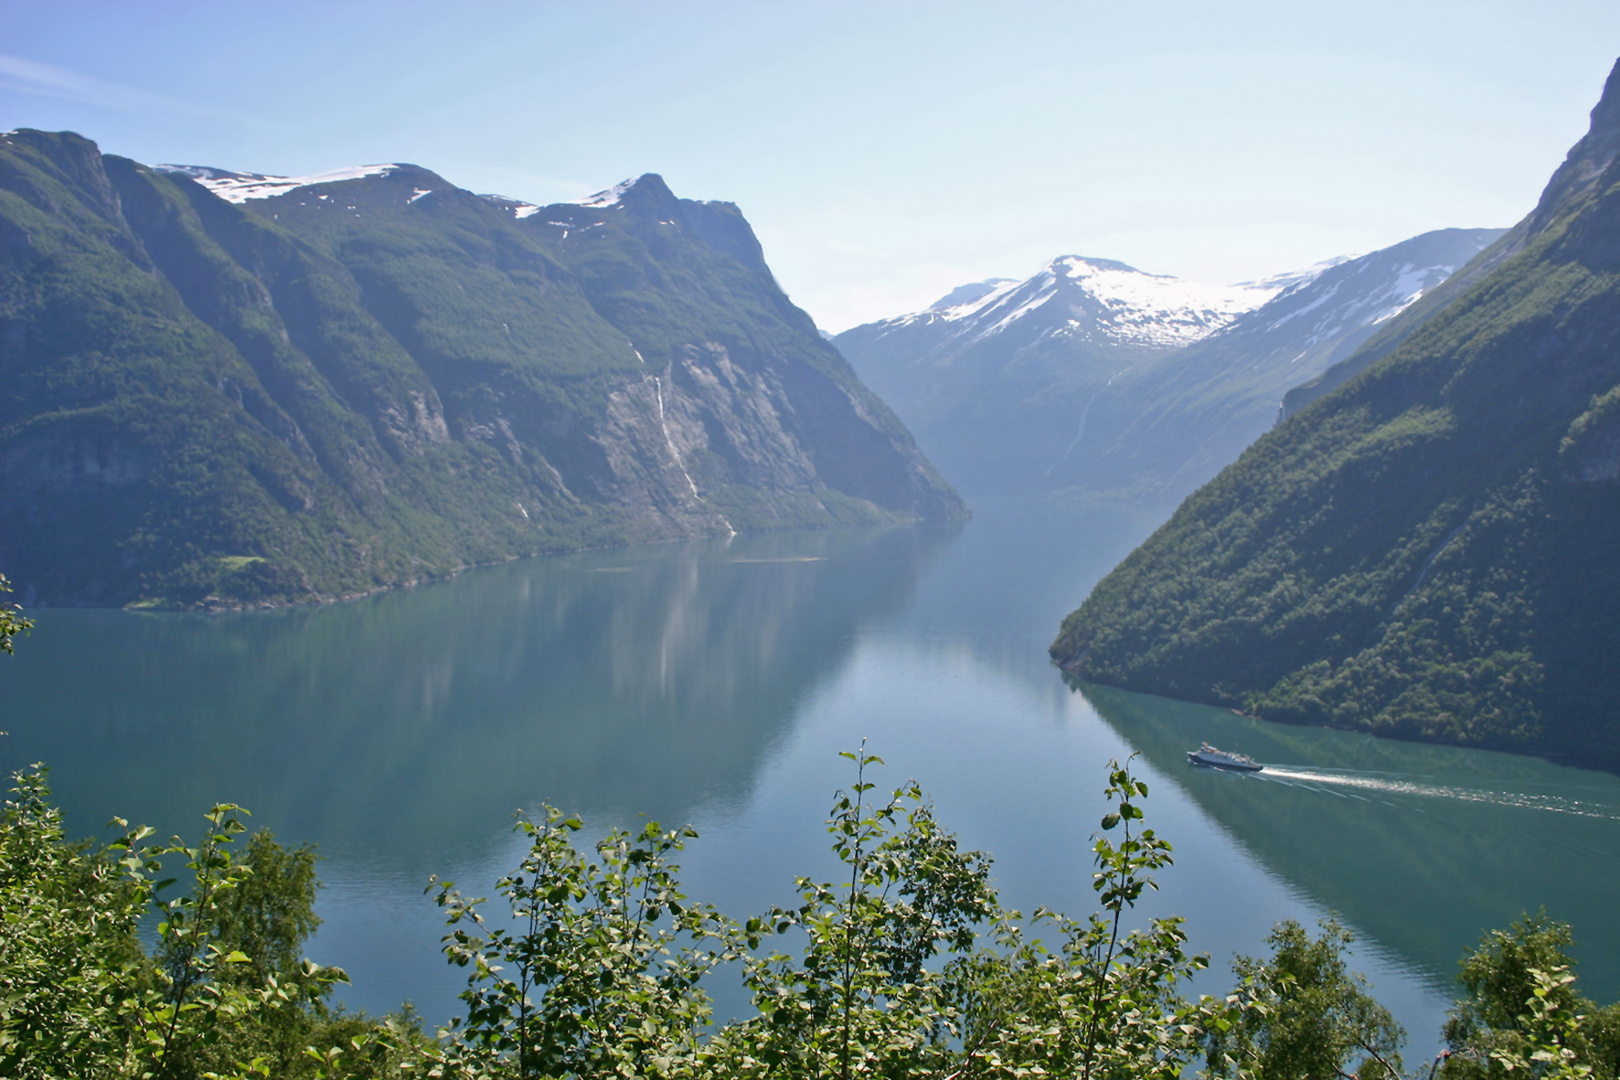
{"points": [[1288, 279], [1053, 383], [992, 376], [1088, 299], [1344, 303], [602, 200]]}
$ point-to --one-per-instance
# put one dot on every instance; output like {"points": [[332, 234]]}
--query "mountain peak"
{"points": [[647, 186], [1079, 266], [1588, 159], [1129, 306]]}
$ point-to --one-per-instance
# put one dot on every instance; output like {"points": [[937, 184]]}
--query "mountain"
{"points": [[1095, 379], [995, 377], [1168, 424], [220, 388], [1426, 550]]}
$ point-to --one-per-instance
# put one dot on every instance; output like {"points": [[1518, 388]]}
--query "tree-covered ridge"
{"points": [[1424, 552], [363, 383]]}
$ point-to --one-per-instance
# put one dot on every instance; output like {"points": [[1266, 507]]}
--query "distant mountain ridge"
{"points": [[222, 388], [1094, 378], [1426, 549], [992, 378]]}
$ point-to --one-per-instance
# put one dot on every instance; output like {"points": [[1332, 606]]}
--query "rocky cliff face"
{"points": [[220, 389]]}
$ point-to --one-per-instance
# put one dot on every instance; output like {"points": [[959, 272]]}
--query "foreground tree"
{"points": [[594, 967], [225, 992], [12, 622], [907, 967], [598, 974], [1302, 1015], [1522, 1015]]}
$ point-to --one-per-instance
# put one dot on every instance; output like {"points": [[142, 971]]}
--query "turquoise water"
{"points": [[715, 682]]}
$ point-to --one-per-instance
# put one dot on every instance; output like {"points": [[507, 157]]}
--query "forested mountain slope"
{"points": [[1428, 550], [222, 389]]}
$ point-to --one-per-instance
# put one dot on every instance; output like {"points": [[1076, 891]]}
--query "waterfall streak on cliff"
{"points": [[675, 455], [1080, 430], [658, 387]]}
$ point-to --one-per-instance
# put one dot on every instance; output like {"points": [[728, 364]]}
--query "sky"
{"points": [[885, 151]]}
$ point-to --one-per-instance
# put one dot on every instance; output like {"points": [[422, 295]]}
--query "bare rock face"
{"points": [[219, 389]]}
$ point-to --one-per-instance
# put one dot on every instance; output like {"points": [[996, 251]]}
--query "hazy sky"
{"points": [[885, 151]]}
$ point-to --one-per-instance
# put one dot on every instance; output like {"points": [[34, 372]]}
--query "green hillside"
{"points": [[360, 383], [1426, 551]]}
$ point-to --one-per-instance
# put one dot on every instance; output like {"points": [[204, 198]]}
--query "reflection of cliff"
{"points": [[407, 726], [1423, 847]]}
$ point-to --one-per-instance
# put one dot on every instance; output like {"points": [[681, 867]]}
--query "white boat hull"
{"points": [[1220, 759]]}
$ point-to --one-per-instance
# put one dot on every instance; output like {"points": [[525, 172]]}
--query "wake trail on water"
{"points": [[1369, 787]]}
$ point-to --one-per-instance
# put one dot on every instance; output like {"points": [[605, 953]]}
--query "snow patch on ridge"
{"points": [[519, 208], [1409, 288], [240, 187], [1293, 279], [1405, 285], [610, 197], [1155, 309]]}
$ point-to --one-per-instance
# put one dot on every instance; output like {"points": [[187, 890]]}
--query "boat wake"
{"points": [[1380, 787]]}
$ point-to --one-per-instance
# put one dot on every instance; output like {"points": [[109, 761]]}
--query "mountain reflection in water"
{"points": [[400, 728]]}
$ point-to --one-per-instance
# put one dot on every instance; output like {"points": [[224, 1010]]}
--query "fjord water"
{"points": [[715, 682]]}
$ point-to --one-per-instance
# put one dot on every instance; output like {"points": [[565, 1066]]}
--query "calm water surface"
{"points": [[715, 682]]}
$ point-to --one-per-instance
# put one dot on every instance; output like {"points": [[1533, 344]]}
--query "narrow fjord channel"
{"points": [[714, 683]]}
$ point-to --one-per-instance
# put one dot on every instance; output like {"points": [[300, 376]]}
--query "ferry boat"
{"points": [[1222, 759]]}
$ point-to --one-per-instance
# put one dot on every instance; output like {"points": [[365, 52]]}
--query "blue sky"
{"points": [[885, 151]]}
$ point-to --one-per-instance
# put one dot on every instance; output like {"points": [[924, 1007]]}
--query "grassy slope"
{"points": [[1425, 552]]}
